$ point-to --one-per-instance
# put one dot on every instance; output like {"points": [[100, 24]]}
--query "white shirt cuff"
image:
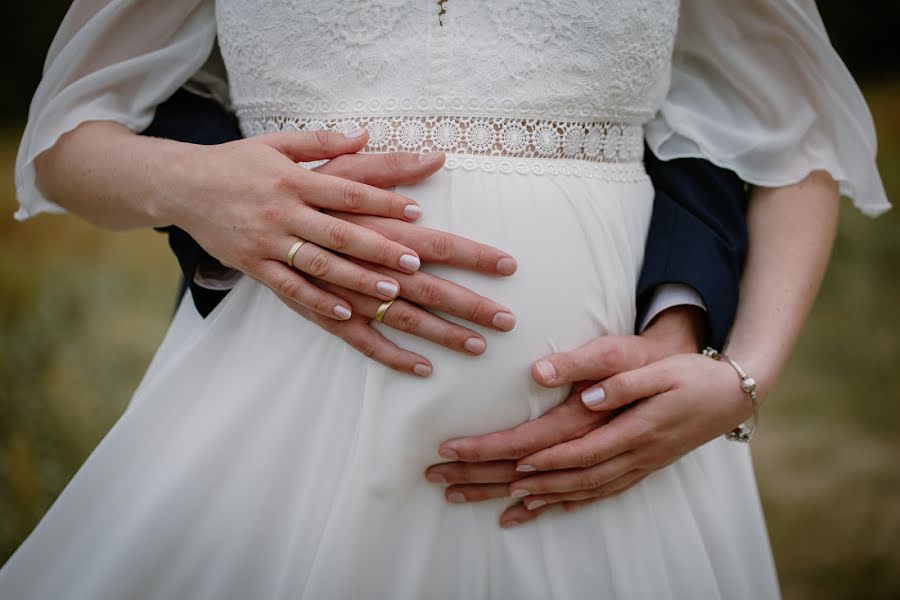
{"points": [[668, 295]]}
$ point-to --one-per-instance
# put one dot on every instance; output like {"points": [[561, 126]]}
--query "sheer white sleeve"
{"points": [[757, 88], [112, 60]]}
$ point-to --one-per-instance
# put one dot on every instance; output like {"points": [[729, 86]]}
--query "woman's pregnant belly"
{"points": [[579, 244]]}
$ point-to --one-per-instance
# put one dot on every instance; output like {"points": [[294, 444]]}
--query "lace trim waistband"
{"points": [[498, 137]]}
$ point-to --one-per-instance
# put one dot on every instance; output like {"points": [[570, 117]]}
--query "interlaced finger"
{"points": [[327, 266], [335, 193], [409, 318], [351, 239]]}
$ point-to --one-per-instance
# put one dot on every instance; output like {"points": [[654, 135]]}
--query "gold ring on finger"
{"points": [[379, 314], [293, 251]]}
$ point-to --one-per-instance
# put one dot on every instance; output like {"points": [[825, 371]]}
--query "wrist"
{"points": [[678, 329], [173, 178]]}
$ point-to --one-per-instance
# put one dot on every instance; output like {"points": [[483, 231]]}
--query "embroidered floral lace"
{"points": [[512, 86]]}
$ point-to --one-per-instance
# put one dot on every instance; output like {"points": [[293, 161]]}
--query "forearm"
{"points": [[114, 178], [792, 230]]}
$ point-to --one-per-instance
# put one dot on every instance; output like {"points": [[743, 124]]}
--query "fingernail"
{"points": [[386, 288], [436, 478], [448, 454], [412, 212], [593, 396], [410, 262], [507, 266], [355, 133], [422, 370], [535, 504], [426, 158], [520, 493], [547, 370], [508, 524], [504, 321], [456, 498], [526, 469], [342, 312], [474, 345]]}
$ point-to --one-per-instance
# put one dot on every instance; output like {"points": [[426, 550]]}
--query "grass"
{"points": [[81, 312]]}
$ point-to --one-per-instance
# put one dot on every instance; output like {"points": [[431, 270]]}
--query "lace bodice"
{"points": [[569, 60], [752, 85]]}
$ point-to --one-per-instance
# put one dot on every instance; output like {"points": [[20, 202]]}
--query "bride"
{"points": [[259, 456]]}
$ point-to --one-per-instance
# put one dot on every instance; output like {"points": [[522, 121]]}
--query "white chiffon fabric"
{"points": [[294, 468], [755, 87]]}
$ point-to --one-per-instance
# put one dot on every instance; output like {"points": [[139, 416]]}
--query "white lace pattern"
{"points": [[478, 136], [517, 80]]}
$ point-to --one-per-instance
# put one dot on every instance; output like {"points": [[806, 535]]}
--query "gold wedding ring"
{"points": [[293, 251], [379, 314]]}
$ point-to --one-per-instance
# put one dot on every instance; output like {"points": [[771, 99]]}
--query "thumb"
{"points": [[627, 387], [306, 146], [598, 359]]}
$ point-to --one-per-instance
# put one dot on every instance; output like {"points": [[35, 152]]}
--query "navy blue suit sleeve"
{"points": [[186, 117], [697, 237]]}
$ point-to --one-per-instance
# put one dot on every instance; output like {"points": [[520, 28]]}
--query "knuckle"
{"points": [[590, 480], [338, 235], [383, 252], [430, 292], [368, 349], [353, 196], [289, 288], [478, 307], [441, 248], [285, 182], [392, 161], [320, 265], [323, 137], [612, 358], [408, 320], [483, 259], [272, 213]]}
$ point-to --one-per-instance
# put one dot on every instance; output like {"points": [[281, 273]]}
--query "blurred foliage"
{"points": [[81, 312], [863, 31]]}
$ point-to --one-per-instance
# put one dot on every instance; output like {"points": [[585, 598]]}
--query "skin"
{"points": [[660, 402], [247, 202]]}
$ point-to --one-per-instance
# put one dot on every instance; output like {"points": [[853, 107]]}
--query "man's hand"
{"points": [[505, 463], [417, 290]]}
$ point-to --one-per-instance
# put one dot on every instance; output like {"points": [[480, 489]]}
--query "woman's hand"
{"points": [[671, 407], [247, 203]]}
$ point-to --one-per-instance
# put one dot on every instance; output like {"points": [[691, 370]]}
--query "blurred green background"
{"points": [[81, 312]]}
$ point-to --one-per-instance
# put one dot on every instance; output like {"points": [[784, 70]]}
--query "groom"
{"points": [[687, 296]]}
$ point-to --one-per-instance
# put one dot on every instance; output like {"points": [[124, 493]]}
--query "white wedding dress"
{"points": [[264, 458]]}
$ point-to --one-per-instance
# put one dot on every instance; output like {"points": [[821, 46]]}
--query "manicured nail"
{"points": [[535, 504], [342, 312], [520, 493], [507, 266], [387, 289], [508, 524], [410, 262], [412, 212], [355, 133], [593, 396], [474, 345], [456, 498], [422, 370], [436, 478], [504, 321], [426, 158], [526, 469], [448, 454], [546, 369]]}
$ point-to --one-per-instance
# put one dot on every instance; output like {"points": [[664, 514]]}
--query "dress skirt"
{"points": [[262, 458]]}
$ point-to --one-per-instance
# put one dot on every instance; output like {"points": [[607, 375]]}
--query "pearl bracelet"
{"points": [[744, 431]]}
